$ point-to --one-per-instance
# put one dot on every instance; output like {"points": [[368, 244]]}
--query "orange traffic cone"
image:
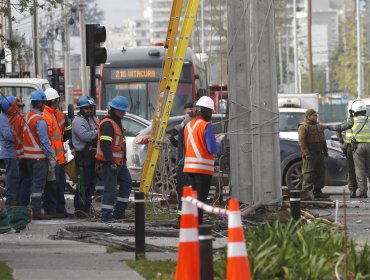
{"points": [[188, 263], [237, 257]]}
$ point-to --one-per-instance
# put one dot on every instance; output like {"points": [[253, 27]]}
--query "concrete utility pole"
{"points": [[36, 47], [296, 88], [254, 126], [10, 35], [81, 16], [360, 92], [66, 61], [309, 45]]}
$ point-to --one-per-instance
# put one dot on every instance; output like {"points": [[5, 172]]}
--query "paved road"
{"points": [[34, 256]]}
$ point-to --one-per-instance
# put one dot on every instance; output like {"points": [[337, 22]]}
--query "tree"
{"points": [[93, 14], [23, 7], [346, 67]]}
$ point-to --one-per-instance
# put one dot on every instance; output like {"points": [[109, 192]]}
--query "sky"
{"points": [[116, 12]]}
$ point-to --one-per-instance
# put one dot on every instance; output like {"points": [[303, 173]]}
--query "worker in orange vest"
{"points": [[54, 201], [13, 107], [37, 152], [200, 147], [111, 161]]}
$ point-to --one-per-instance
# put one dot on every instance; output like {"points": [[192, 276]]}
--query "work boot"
{"points": [[306, 195], [363, 195], [10, 203], [320, 194], [119, 217], [352, 194], [63, 215], [41, 216]]}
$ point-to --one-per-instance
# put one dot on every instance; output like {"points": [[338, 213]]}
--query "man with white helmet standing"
{"points": [[111, 156], [359, 136], [54, 201], [200, 148]]}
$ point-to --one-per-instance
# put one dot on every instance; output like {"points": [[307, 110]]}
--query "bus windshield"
{"points": [[142, 97]]}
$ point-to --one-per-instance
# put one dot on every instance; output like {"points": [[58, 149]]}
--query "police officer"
{"points": [[84, 138], [111, 156], [54, 201], [359, 136], [37, 152], [347, 150], [312, 141], [200, 147], [8, 153]]}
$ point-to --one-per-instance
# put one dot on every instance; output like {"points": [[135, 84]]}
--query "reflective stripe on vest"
{"points": [[32, 149], [55, 135], [197, 157], [116, 144], [360, 130], [16, 126]]}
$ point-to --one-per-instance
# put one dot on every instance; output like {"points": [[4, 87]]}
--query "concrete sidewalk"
{"points": [[33, 256]]}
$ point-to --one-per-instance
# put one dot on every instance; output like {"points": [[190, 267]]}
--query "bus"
{"points": [[136, 74]]}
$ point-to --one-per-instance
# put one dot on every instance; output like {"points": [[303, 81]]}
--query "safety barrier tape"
{"points": [[205, 207]]}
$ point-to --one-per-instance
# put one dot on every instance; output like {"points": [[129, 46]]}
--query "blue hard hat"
{"points": [[38, 95], [85, 101], [6, 102], [119, 103]]}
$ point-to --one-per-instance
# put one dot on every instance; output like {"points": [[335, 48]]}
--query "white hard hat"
{"points": [[51, 94], [358, 105], [206, 101]]}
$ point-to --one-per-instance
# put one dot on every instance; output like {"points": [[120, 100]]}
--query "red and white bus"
{"points": [[136, 74]]}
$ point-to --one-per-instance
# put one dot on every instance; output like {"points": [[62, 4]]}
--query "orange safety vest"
{"points": [[55, 134], [117, 144], [32, 144], [16, 123], [60, 119], [197, 157]]}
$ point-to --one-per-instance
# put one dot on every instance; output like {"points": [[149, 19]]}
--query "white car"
{"points": [[133, 125]]}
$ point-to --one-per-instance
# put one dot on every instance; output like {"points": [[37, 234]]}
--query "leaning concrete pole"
{"points": [[254, 127]]}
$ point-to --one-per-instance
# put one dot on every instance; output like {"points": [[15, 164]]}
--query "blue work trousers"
{"points": [[39, 172], [113, 206], [11, 179], [24, 190], [53, 197]]}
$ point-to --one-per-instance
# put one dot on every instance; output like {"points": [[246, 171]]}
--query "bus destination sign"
{"points": [[144, 73]]}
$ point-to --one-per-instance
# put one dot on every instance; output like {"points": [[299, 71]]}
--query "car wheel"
{"points": [[294, 176]]}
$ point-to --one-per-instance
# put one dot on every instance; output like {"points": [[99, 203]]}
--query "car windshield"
{"points": [[142, 97], [288, 121]]}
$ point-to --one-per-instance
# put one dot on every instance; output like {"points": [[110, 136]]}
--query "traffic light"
{"points": [[95, 54], [56, 80]]}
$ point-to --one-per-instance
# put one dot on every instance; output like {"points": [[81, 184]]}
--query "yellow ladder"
{"points": [[169, 82]]}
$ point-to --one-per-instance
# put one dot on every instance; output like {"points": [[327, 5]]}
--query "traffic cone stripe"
{"points": [[237, 257], [234, 219], [236, 249], [236, 235], [188, 235], [187, 221]]}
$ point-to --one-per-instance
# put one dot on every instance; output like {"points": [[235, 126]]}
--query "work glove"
{"points": [[51, 169], [52, 162], [113, 168]]}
